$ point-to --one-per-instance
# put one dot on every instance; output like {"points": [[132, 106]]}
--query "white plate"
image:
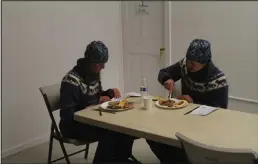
{"points": [[166, 107], [104, 106]]}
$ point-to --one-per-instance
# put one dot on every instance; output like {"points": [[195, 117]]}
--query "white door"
{"points": [[143, 36]]}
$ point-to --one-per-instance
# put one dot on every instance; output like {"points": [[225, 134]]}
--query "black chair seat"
{"points": [[72, 141]]}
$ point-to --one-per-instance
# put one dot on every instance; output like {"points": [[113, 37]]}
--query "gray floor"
{"points": [[38, 154]]}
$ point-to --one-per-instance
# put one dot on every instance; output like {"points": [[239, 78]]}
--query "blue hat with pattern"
{"points": [[96, 52], [199, 51]]}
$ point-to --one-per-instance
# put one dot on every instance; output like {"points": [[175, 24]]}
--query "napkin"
{"points": [[203, 110]]}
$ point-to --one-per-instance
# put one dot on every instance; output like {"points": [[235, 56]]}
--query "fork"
{"points": [[101, 110], [169, 96]]}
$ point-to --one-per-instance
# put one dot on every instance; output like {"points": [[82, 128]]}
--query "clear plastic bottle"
{"points": [[143, 89]]}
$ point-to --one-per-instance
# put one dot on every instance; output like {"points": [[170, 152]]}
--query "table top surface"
{"points": [[222, 128]]}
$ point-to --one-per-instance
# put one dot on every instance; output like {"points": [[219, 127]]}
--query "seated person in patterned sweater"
{"points": [[202, 83], [81, 87]]}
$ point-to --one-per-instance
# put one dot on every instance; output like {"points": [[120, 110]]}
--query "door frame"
{"points": [[168, 34], [167, 42]]}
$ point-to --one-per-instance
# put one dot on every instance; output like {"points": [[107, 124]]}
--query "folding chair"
{"points": [[199, 153], [51, 95]]}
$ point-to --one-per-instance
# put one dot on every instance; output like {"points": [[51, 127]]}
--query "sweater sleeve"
{"points": [[172, 72], [218, 98], [109, 93], [69, 97]]}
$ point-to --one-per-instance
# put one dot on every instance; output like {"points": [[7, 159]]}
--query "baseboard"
{"points": [[244, 99], [25, 145]]}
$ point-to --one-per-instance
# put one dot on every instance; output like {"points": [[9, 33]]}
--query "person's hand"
{"points": [[186, 98], [104, 99], [169, 85], [116, 93]]}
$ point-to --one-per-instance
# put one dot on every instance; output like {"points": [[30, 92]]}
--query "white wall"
{"points": [[232, 29], [41, 42]]}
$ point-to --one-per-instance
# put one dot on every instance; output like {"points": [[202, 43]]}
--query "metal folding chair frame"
{"points": [[55, 134]]}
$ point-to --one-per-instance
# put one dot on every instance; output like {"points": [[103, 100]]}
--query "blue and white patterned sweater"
{"points": [[209, 88], [76, 95]]}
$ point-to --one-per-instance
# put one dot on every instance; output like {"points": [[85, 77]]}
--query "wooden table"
{"points": [[223, 128]]}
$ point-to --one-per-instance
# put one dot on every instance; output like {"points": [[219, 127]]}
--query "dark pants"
{"points": [[167, 154], [112, 146]]}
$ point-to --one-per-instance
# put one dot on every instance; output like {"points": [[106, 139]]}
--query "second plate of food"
{"points": [[171, 103]]}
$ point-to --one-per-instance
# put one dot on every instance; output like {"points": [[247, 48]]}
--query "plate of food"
{"points": [[117, 105], [171, 103]]}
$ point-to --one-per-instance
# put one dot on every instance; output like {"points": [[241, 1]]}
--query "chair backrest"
{"points": [[51, 95], [199, 153]]}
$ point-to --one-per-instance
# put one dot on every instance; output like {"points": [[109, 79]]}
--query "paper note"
{"points": [[203, 110], [133, 94], [130, 94], [116, 99]]}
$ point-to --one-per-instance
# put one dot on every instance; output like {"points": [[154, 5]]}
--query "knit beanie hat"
{"points": [[96, 52], [199, 51]]}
